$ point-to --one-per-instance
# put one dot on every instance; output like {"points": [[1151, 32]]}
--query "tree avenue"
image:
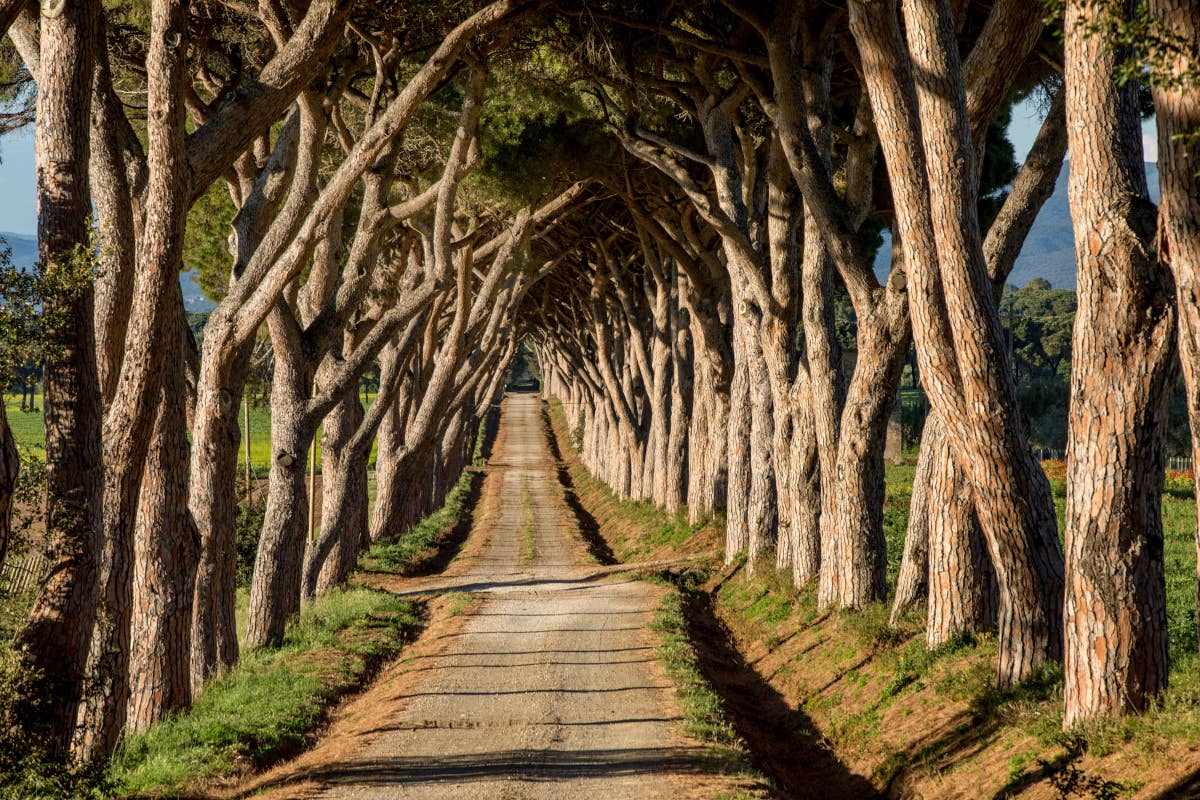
{"points": [[678, 210]]}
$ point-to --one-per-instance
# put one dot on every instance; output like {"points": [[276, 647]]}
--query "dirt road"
{"points": [[549, 689]]}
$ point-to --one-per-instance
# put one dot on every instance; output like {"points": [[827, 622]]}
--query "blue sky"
{"points": [[18, 207]]}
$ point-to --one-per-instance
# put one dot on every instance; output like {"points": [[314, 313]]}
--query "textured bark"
{"points": [[680, 419], [737, 449], [56, 638], [962, 591], [1178, 114], [1031, 188], [1123, 347], [963, 362], [853, 514], [343, 499], [912, 582], [129, 419], [166, 543], [275, 587]]}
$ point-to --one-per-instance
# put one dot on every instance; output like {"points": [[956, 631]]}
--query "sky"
{"points": [[18, 206]]}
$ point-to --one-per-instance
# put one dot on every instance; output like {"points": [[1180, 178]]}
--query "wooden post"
{"points": [[246, 434], [312, 485]]}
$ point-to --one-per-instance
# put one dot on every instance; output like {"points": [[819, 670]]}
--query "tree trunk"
{"points": [[912, 583], [213, 502], [962, 593], [55, 641], [129, 420], [1178, 113], [1123, 347], [737, 532], [963, 362], [852, 510], [275, 588], [761, 511], [10, 468], [678, 446], [166, 544], [328, 560]]}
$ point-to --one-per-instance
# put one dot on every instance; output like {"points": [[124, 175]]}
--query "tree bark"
{"points": [[166, 543], [1178, 115], [1123, 347], [963, 363], [129, 420], [55, 641], [10, 468]]}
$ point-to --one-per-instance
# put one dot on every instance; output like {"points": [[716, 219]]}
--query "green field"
{"points": [[29, 430], [1179, 548]]}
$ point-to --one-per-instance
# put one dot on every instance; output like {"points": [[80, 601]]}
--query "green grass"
{"points": [[29, 429], [270, 704], [528, 540], [704, 713], [398, 555]]}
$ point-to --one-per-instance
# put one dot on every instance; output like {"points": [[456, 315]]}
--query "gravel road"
{"points": [[550, 689]]}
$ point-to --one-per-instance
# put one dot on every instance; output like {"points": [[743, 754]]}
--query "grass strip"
{"points": [[400, 555], [270, 705], [528, 540], [704, 713]]}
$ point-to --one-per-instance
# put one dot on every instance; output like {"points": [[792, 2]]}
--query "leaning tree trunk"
{"points": [[962, 591], [930, 163], [1124, 347], [129, 419], [912, 583], [56, 638], [1178, 112], [166, 544], [275, 587]]}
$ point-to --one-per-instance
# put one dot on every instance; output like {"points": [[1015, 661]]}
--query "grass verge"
{"points": [[420, 542], [273, 702]]}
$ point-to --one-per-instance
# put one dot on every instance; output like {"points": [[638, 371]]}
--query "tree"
{"points": [[56, 638]]}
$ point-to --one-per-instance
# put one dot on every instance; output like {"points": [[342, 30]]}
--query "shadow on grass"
{"points": [[783, 741], [589, 527]]}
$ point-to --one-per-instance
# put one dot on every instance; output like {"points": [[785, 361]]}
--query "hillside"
{"points": [[1050, 248], [24, 255]]}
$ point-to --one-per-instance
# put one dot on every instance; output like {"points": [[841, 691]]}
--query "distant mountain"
{"points": [[1049, 250], [25, 255]]}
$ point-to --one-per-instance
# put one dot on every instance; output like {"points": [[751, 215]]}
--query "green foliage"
{"points": [[270, 704], [205, 240], [250, 513], [536, 134], [20, 318]]}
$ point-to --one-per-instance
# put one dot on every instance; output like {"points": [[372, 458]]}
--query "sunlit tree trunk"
{"points": [[1178, 115], [56, 638], [1123, 347]]}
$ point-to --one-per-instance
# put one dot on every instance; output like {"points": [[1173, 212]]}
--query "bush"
{"points": [[250, 515]]}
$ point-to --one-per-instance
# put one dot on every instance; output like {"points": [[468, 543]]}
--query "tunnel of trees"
{"points": [[677, 209]]}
